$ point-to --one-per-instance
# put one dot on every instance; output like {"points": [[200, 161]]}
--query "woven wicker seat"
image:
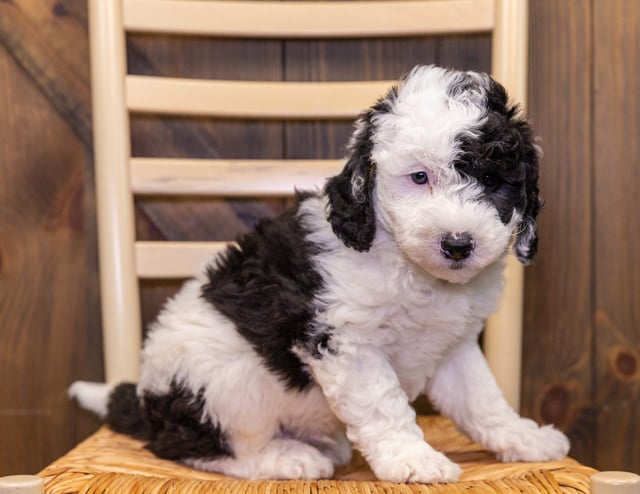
{"points": [[110, 462]]}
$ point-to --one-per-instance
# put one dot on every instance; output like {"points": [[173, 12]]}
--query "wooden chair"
{"points": [[113, 462], [119, 178]]}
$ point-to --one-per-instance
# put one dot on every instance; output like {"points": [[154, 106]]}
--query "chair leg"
{"points": [[21, 484], [613, 482]]}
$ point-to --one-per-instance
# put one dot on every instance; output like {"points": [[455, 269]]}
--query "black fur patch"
{"points": [[171, 423], [504, 160], [124, 414], [176, 429], [350, 209], [266, 286]]}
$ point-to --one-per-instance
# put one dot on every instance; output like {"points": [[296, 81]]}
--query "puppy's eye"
{"points": [[420, 178], [490, 180]]}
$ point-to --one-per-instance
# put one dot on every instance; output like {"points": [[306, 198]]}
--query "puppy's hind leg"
{"points": [[261, 444], [335, 446], [279, 458]]}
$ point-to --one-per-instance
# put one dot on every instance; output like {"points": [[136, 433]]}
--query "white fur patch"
{"points": [[91, 396]]}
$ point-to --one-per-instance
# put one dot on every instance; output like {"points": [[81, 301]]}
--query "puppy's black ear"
{"points": [[513, 138], [350, 209], [526, 243]]}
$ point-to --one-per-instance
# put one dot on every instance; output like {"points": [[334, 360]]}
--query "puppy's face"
{"points": [[447, 168]]}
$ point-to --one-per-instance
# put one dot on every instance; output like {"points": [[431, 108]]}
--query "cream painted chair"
{"points": [[119, 463]]}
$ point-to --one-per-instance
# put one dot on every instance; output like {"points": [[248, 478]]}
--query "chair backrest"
{"points": [[120, 177]]}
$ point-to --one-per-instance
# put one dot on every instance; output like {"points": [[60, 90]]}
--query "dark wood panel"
{"points": [[49, 303], [344, 60], [558, 328], [52, 48], [356, 59], [617, 223], [465, 52]]}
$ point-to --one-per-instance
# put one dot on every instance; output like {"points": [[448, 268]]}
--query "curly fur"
{"points": [[319, 328]]}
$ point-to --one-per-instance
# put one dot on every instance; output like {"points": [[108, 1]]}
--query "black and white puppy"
{"points": [[320, 327]]}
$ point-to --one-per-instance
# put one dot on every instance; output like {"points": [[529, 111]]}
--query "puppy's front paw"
{"points": [[415, 463], [530, 442]]}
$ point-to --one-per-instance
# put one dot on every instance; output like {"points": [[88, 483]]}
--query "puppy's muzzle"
{"points": [[457, 246]]}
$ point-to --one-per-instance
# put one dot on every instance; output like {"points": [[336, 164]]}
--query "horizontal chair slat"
{"points": [[341, 19], [229, 177], [173, 260], [252, 99]]}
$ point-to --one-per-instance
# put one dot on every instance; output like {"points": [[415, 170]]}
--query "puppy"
{"points": [[318, 328]]}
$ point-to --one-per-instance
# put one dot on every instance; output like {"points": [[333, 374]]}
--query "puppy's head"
{"points": [[446, 168]]}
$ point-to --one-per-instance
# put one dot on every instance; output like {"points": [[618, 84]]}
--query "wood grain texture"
{"points": [[558, 332], [229, 178], [465, 52], [55, 56], [49, 303], [308, 20], [269, 100], [617, 242]]}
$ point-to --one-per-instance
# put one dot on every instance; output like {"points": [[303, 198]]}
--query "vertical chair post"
{"points": [[504, 328], [116, 227]]}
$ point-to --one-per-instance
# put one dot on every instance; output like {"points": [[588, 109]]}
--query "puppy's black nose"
{"points": [[456, 246]]}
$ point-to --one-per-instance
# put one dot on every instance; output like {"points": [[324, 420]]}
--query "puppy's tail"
{"points": [[118, 405]]}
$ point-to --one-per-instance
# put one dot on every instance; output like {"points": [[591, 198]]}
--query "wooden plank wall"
{"points": [[49, 301], [558, 339], [616, 185], [582, 335]]}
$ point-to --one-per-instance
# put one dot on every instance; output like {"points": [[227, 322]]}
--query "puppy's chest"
{"points": [[414, 327], [412, 318], [427, 335]]}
